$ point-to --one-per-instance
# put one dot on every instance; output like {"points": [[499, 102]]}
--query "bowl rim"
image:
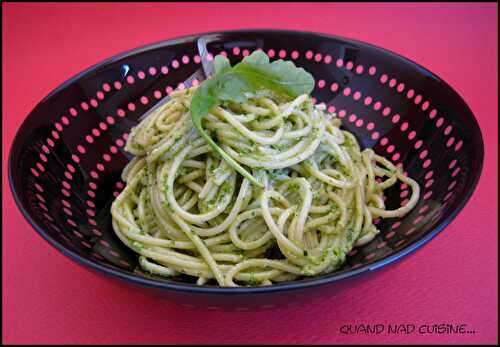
{"points": [[280, 287]]}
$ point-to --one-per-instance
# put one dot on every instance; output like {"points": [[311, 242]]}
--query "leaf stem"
{"points": [[233, 163]]}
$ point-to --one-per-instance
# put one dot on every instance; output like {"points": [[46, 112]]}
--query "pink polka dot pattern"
{"points": [[452, 164], [386, 111], [120, 113], [395, 225], [455, 172], [399, 243], [427, 194], [106, 87]]}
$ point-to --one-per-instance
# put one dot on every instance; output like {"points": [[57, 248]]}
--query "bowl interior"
{"points": [[67, 158]]}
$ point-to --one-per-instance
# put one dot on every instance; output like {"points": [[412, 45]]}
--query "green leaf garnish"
{"points": [[221, 63], [252, 74]]}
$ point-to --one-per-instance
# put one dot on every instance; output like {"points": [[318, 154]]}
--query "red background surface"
{"points": [[49, 299]]}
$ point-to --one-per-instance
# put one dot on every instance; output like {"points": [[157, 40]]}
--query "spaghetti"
{"points": [[184, 210]]}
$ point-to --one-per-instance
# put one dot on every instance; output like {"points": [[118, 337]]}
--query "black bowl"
{"points": [[67, 157]]}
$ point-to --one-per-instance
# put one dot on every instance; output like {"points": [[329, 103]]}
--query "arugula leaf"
{"points": [[221, 63], [252, 74], [231, 87], [255, 72], [282, 77]]}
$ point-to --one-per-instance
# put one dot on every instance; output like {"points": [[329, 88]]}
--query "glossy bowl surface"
{"points": [[66, 160]]}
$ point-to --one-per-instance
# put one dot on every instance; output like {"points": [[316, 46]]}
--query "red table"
{"points": [[49, 299]]}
